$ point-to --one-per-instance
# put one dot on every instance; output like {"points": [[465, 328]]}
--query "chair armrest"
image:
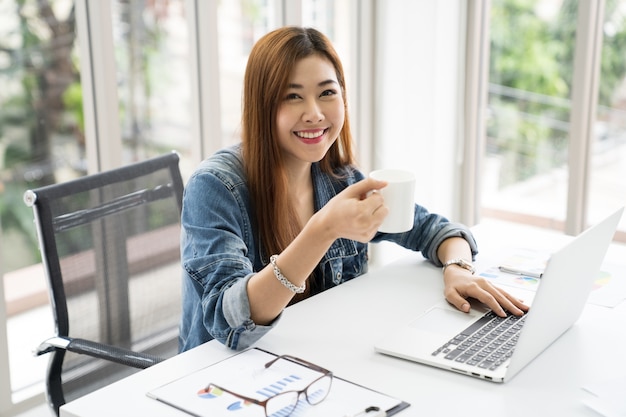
{"points": [[51, 345], [99, 350]]}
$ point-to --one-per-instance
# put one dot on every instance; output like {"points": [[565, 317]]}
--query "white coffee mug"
{"points": [[399, 195]]}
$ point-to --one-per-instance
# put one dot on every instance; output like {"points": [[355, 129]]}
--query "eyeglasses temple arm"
{"points": [[243, 397], [300, 362]]}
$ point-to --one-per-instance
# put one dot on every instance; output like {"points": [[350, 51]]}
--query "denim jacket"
{"points": [[220, 250]]}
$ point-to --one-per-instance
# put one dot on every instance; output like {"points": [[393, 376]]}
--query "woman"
{"points": [[285, 214]]}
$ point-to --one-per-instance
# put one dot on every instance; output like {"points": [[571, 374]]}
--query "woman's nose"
{"points": [[312, 113]]}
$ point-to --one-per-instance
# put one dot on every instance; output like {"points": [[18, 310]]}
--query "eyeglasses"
{"points": [[285, 402]]}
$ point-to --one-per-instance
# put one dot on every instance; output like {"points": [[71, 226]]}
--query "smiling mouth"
{"points": [[311, 134]]}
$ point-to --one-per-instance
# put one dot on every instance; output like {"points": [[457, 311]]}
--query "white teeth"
{"points": [[310, 135]]}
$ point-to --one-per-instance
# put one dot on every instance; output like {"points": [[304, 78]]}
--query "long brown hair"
{"points": [[270, 65]]}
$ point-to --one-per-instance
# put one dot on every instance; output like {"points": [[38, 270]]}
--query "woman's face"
{"points": [[311, 112]]}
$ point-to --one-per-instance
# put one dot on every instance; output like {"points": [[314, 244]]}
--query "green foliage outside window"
{"points": [[531, 67]]}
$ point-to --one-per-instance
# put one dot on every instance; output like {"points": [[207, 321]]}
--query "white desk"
{"points": [[338, 328]]}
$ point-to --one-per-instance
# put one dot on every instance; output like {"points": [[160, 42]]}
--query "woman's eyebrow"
{"points": [[327, 82], [320, 84]]}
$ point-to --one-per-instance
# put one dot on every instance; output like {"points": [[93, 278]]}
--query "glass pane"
{"points": [[530, 82], [151, 39], [240, 24], [42, 142], [608, 164]]}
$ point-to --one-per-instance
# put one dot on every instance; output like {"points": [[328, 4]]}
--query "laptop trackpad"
{"points": [[442, 321]]}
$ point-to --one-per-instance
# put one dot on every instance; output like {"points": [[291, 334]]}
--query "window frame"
{"points": [[582, 116]]}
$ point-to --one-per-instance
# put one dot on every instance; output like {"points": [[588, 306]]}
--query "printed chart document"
{"points": [[245, 374], [609, 288]]}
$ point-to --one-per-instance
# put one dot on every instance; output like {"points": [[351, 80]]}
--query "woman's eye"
{"points": [[292, 96], [328, 93]]}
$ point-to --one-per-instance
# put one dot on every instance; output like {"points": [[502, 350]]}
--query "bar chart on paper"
{"points": [[609, 287], [280, 386]]}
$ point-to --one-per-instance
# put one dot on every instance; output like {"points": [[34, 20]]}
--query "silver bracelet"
{"points": [[283, 280]]}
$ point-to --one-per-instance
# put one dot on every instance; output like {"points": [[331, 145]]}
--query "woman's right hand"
{"points": [[356, 213]]}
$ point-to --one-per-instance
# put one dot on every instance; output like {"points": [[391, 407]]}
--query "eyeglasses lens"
{"points": [[281, 404], [318, 390]]}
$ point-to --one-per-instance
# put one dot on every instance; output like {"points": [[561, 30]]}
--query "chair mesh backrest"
{"points": [[111, 244]]}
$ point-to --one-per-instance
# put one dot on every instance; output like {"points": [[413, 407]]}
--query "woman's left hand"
{"points": [[461, 284]]}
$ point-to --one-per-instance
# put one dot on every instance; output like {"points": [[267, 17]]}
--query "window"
{"points": [[42, 142], [532, 135], [530, 79], [152, 49], [608, 164], [240, 25]]}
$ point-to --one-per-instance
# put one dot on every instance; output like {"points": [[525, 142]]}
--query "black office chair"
{"points": [[110, 247]]}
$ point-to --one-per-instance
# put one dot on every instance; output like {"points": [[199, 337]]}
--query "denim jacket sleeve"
{"points": [[428, 232], [218, 257]]}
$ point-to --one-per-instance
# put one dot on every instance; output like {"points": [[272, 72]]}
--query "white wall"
{"points": [[418, 96]]}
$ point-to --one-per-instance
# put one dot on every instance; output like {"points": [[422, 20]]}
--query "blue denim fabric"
{"points": [[220, 252]]}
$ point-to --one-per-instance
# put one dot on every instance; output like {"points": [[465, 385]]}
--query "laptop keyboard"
{"points": [[487, 343]]}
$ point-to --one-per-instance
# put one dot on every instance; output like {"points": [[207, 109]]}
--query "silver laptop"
{"points": [[480, 344]]}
